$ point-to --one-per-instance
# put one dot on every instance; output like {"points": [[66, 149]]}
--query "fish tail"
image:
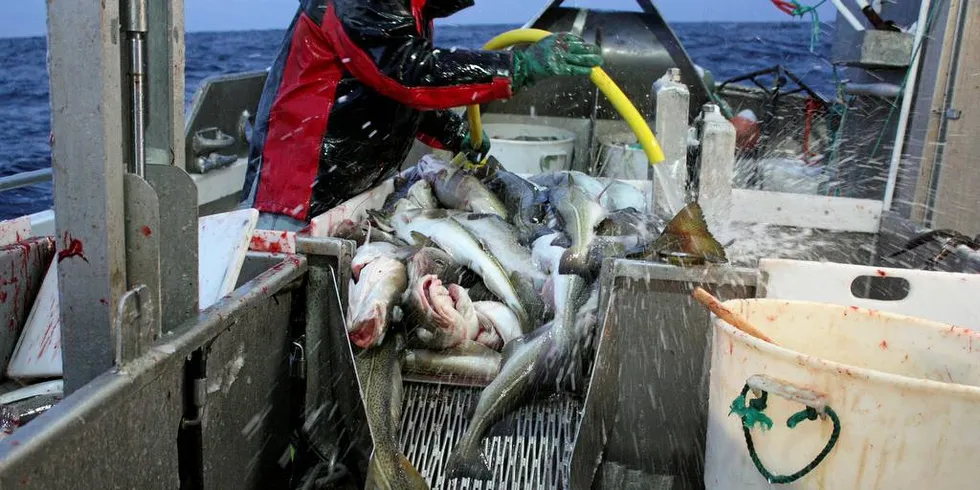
{"points": [[413, 479], [688, 232], [467, 461], [402, 475]]}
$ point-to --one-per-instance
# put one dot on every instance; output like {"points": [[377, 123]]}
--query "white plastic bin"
{"points": [[905, 392], [531, 149]]}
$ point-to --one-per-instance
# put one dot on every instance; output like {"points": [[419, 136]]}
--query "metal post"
{"points": [[134, 25], [717, 166], [165, 90], [86, 108], [672, 104], [175, 190]]}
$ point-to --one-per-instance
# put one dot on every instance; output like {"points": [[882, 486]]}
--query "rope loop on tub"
{"points": [[752, 414]]}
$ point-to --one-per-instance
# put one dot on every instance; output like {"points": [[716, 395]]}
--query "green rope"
{"points": [[751, 415], [799, 10], [840, 108]]}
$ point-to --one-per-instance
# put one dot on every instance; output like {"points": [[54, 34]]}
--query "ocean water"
{"points": [[727, 49]]}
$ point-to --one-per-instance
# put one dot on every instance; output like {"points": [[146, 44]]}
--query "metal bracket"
{"points": [[953, 114], [133, 329], [297, 359], [177, 194], [142, 244]]}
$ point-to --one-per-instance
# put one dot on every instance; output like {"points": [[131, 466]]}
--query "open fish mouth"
{"points": [[368, 330]]}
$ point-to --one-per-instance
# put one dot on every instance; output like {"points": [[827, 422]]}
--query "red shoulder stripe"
{"points": [[297, 122]]}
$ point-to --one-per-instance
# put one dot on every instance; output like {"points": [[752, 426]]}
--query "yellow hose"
{"points": [[616, 97]]}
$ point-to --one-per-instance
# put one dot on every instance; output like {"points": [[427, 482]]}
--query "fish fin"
{"points": [[422, 241], [687, 232], [532, 302], [468, 461], [381, 219], [413, 478]]}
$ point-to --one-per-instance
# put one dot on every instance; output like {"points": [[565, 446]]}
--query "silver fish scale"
{"points": [[533, 454]]}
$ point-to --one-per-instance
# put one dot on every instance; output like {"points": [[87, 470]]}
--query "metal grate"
{"points": [[533, 453]]}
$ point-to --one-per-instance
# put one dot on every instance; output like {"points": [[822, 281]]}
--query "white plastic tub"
{"points": [[621, 158], [531, 149], [905, 391]]}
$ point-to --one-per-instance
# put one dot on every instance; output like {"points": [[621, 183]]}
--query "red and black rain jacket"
{"points": [[354, 83]]}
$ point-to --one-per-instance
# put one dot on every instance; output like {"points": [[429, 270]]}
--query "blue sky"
{"points": [[26, 17]]}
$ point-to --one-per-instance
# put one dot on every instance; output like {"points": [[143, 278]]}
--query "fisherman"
{"points": [[356, 81]]}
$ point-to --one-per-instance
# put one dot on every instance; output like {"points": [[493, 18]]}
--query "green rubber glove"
{"points": [[561, 54], [475, 154]]}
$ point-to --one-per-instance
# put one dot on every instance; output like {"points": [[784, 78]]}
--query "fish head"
{"points": [[431, 260], [368, 329]]}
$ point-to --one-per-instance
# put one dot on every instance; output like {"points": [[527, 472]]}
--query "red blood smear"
{"points": [[146, 231], [259, 244], [882, 273], [884, 344], [73, 248]]}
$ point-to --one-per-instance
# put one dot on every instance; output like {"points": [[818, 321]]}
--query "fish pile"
{"points": [[487, 277]]}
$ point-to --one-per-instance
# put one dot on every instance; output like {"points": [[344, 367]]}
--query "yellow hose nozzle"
{"points": [[606, 85]]}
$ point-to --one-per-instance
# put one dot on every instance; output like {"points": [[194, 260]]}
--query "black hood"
{"points": [[437, 9]]}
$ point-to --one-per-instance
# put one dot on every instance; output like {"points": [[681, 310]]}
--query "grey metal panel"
{"points": [[142, 246], [191, 335], [247, 407], [599, 410], [177, 233], [220, 103], [334, 412], [84, 64], [119, 431], [165, 73], [255, 264], [663, 346]]}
